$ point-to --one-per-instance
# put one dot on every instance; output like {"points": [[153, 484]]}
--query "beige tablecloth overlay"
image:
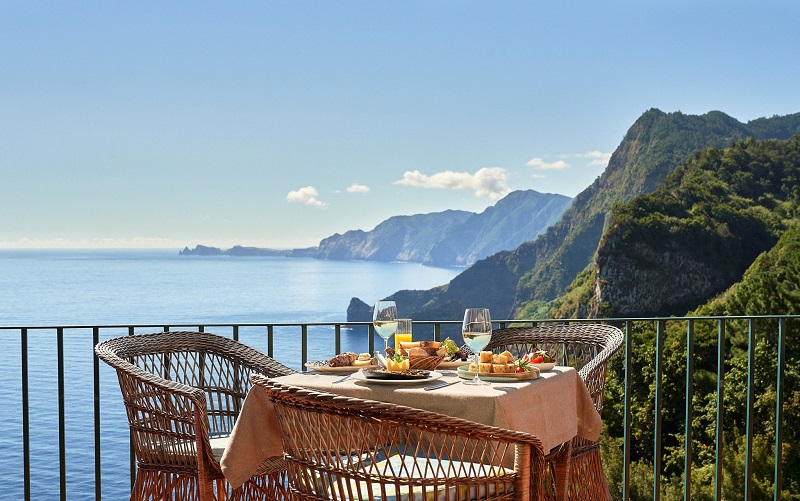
{"points": [[555, 407]]}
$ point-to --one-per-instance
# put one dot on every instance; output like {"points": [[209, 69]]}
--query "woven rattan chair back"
{"points": [[587, 348], [181, 390], [341, 448]]}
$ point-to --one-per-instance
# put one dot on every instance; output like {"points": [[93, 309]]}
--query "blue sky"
{"points": [[276, 124]]}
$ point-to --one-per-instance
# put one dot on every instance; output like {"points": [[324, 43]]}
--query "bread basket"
{"points": [[428, 363]]}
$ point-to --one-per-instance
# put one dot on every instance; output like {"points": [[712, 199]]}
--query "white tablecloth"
{"points": [[555, 407]]}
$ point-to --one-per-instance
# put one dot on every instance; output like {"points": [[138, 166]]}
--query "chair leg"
{"points": [[154, 485], [562, 466], [272, 486], [588, 480]]}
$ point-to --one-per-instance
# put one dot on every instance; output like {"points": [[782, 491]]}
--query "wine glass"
{"points": [[384, 317], [477, 331]]}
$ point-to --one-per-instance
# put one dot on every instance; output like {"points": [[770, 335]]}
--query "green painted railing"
{"points": [[725, 328]]}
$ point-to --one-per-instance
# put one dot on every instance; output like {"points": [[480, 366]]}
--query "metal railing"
{"points": [[263, 336]]}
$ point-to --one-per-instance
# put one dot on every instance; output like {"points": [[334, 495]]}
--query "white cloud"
{"points": [[308, 196], [598, 158], [357, 188], [489, 182], [538, 163]]}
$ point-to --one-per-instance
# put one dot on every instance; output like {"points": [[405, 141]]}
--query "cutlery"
{"points": [[440, 385], [342, 379]]}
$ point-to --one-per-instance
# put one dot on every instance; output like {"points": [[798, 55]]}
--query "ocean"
{"points": [[152, 287]]}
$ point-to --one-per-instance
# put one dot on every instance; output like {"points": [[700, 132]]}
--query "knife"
{"points": [[343, 379], [440, 385]]}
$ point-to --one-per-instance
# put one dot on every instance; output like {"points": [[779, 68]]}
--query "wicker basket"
{"points": [[425, 363]]}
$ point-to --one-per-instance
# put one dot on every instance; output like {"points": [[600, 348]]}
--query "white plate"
{"points": [[452, 365], [322, 366], [506, 377], [544, 366], [433, 376]]}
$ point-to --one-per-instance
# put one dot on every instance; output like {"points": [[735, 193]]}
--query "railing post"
{"points": [[26, 422], [270, 346], [62, 439], [657, 427], [96, 372], [751, 366], [371, 342], [337, 336], [720, 409], [627, 419], [687, 464], [303, 345], [779, 411]]}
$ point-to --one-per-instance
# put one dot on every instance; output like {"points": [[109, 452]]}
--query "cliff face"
{"points": [[644, 280]]}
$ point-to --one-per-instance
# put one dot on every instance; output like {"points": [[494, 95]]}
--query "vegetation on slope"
{"points": [[694, 237]]}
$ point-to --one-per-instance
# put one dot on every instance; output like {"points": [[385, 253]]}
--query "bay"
{"points": [[152, 287]]}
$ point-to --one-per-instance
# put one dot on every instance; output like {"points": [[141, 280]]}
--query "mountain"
{"points": [[519, 217], [451, 238], [399, 238], [525, 281]]}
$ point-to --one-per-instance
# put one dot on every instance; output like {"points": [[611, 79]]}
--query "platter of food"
{"points": [[382, 376], [343, 363], [498, 377]]}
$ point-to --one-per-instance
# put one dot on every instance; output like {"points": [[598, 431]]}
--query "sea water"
{"points": [[151, 287]]}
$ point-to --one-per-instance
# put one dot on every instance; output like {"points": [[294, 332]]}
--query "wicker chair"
{"points": [[587, 347], [342, 448], [183, 392]]}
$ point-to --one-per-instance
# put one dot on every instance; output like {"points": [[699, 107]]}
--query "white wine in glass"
{"points": [[477, 331], [384, 317]]}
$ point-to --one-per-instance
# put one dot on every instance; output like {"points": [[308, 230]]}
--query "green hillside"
{"points": [[693, 237], [525, 281]]}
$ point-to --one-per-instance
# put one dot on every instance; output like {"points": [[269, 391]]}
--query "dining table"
{"points": [[555, 407]]}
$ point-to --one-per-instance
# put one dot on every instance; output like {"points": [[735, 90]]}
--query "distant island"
{"points": [[240, 251], [448, 238]]}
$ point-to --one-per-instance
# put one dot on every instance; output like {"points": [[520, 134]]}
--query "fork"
{"points": [[343, 379], [440, 385]]}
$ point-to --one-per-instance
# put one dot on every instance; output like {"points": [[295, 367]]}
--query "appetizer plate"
{"points": [[505, 377], [432, 376], [322, 366], [544, 366]]}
